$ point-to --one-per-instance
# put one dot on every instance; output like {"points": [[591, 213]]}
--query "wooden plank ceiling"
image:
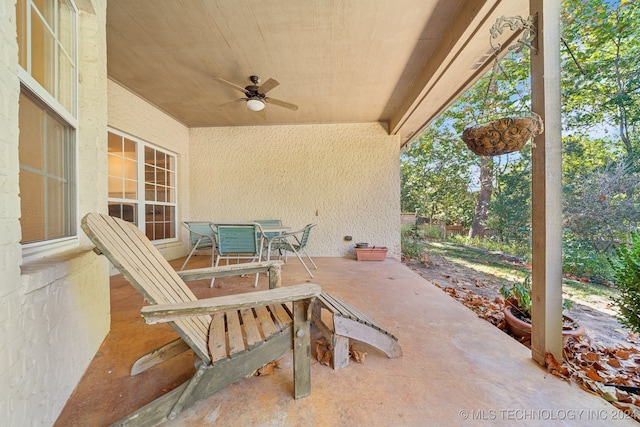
{"points": [[398, 62]]}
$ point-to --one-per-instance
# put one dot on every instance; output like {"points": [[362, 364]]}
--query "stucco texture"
{"points": [[343, 177]]}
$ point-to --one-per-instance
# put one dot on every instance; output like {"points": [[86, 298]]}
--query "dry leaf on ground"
{"points": [[358, 356], [268, 368], [323, 353]]}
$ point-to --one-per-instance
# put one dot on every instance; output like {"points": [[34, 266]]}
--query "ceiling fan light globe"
{"points": [[255, 105]]}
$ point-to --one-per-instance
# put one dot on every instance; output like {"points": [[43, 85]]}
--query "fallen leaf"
{"points": [[614, 362], [591, 357], [323, 355], [554, 367], [591, 373], [622, 354], [623, 396], [268, 368], [358, 356]]}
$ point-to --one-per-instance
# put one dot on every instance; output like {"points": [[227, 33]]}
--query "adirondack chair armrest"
{"points": [[161, 313], [229, 270]]}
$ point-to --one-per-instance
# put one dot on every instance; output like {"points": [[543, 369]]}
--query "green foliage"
{"points": [[601, 110], [580, 259], [602, 207], [495, 244], [430, 231], [521, 292], [626, 267], [410, 244], [510, 210], [436, 176], [601, 83]]}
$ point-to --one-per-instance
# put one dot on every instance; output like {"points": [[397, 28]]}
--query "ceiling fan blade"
{"points": [[268, 85], [233, 85], [279, 103]]}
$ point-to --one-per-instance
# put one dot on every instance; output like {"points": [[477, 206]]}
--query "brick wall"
{"points": [[54, 312], [11, 340]]}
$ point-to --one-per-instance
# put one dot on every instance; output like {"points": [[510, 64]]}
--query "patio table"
{"points": [[271, 231]]}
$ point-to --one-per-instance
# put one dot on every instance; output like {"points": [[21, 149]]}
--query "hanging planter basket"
{"points": [[503, 135], [499, 134]]}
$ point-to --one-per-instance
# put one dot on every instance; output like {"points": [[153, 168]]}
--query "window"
{"points": [[150, 201], [47, 40], [46, 153]]}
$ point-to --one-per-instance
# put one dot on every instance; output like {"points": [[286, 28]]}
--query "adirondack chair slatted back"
{"points": [[149, 272]]}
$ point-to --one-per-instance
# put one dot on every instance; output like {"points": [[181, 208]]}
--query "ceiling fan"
{"points": [[256, 95]]}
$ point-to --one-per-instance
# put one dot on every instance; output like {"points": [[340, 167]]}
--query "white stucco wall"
{"points": [[54, 311], [133, 115], [344, 177]]}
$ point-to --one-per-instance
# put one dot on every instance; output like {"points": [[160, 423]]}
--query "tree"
{"points": [[436, 175], [602, 207], [601, 77], [481, 212], [510, 210], [601, 109], [439, 173]]}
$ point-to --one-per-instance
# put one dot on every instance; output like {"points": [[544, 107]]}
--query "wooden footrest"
{"points": [[350, 323]]}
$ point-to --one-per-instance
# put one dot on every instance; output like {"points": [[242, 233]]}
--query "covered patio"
{"points": [[456, 369], [367, 77]]}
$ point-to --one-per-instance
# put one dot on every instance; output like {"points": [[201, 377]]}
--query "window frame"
{"points": [[141, 202], [31, 88]]}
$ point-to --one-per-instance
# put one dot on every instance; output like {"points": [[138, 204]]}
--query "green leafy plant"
{"points": [[521, 294], [626, 269], [411, 247]]}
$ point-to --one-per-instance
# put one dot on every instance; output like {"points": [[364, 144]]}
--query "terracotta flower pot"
{"points": [[522, 329]]}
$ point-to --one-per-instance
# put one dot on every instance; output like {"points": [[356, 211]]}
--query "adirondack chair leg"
{"points": [[159, 355], [340, 352], [275, 276], [154, 413], [213, 279], [302, 348], [186, 393]]}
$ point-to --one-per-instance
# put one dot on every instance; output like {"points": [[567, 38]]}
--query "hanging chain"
{"points": [[529, 33], [515, 23]]}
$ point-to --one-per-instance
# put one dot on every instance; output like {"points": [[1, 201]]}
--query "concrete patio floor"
{"points": [[456, 368]]}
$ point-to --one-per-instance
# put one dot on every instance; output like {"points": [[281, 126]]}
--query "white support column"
{"points": [[547, 184]]}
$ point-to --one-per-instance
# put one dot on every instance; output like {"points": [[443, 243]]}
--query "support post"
{"points": [[546, 297]]}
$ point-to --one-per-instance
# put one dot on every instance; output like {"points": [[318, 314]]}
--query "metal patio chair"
{"points": [[296, 242], [201, 237], [238, 241], [269, 235]]}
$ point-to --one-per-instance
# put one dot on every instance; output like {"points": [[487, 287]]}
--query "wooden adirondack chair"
{"points": [[210, 327]]}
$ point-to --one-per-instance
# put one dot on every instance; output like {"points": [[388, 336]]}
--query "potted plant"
{"points": [[517, 311]]}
